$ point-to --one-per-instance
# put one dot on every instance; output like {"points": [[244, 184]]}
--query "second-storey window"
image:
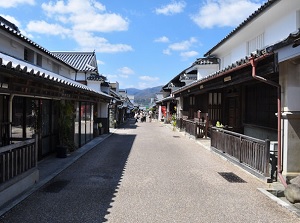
{"points": [[255, 43], [28, 55], [39, 60]]}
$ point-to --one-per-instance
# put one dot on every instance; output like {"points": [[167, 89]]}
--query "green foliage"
{"points": [[174, 119], [65, 122]]}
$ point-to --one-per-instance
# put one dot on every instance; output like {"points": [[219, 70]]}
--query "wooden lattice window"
{"points": [[261, 105]]}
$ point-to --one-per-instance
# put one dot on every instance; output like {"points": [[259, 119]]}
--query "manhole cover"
{"points": [[231, 177], [56, 186]]}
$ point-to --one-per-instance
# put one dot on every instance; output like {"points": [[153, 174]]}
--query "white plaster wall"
{"points": [[104, 89], [47, 63], [80, 77], [11, 47], [205, 70], [286, 25], [159, 113], [238, 52], [290, 82], [276, 24], [102, 110], [14, 47], [289, 74], [73, 75], [179, 107], [64, 71], [288, 52], [291, 145], [95, 85]]}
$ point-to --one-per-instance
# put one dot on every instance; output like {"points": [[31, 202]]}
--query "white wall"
{"points": [[280, 29], [95, 85], [290, 82], [81, 76], [11, 47], [276, 24], [238, 52], [15, 47], [102, 110], [204, 70]]}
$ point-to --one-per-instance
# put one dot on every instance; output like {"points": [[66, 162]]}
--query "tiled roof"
{"points": [[81, 61], [206, 61], [253, 16], [15, 32], [237, 65], [293, 38], [12, 63]]}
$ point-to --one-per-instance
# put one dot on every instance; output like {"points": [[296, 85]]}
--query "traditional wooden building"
{"points": [[35, 86], [251, 94]]}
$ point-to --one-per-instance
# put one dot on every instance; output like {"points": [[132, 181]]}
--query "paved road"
{"points": [[144, 173]]}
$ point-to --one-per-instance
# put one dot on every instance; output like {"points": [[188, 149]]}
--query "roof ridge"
{"points": [[250, 18], [73, 52]]}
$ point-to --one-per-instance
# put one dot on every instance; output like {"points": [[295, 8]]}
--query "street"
{"points": [[145, 172]]}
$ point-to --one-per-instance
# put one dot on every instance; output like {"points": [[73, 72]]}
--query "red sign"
{"points": [[164, 111]]}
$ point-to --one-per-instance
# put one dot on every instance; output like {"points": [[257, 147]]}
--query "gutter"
{"points": [[259, 78]]}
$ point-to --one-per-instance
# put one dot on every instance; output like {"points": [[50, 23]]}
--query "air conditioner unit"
{"points": [[273, 146]]}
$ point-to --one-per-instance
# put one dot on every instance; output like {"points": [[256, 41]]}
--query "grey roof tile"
{"points": [[81, 61]]}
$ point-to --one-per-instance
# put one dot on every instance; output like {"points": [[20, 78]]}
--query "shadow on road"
{"points": [[84, 191]]}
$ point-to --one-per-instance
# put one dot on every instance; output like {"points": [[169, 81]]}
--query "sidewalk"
{"points": [[274, 190], [51, 166]]}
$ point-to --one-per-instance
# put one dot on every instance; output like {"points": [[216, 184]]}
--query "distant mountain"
{"points": [[143, 97]]}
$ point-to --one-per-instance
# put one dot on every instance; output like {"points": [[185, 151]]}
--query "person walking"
{"points": [[136, 117], [150, 116]]}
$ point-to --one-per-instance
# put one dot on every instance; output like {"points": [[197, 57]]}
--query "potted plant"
{"points": [[65, 124], [174, 121]]}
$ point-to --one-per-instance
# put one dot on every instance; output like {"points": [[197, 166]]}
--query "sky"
{"points": [[138, 43]]}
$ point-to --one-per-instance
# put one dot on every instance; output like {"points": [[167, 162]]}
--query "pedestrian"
{"points": [[136, 116], [150, 116]]}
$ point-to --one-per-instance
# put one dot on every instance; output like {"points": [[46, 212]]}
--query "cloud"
{"points": [[15, 3], [148, 78], [162, 39], [171, 9], [112, 77], [222, 13], [184, 45], [100, 62], [88, 42], [100, 23], [12, 20], [126, 70], [143, 85], [188, 54], [167, 52], [67, 21], [43, 27], [95, 17]]}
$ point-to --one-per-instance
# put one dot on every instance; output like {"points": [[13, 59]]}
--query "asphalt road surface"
{"points": [[145, 172]]}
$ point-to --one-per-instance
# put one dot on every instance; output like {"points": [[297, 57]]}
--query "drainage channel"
{"points": [[231, 177]]}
